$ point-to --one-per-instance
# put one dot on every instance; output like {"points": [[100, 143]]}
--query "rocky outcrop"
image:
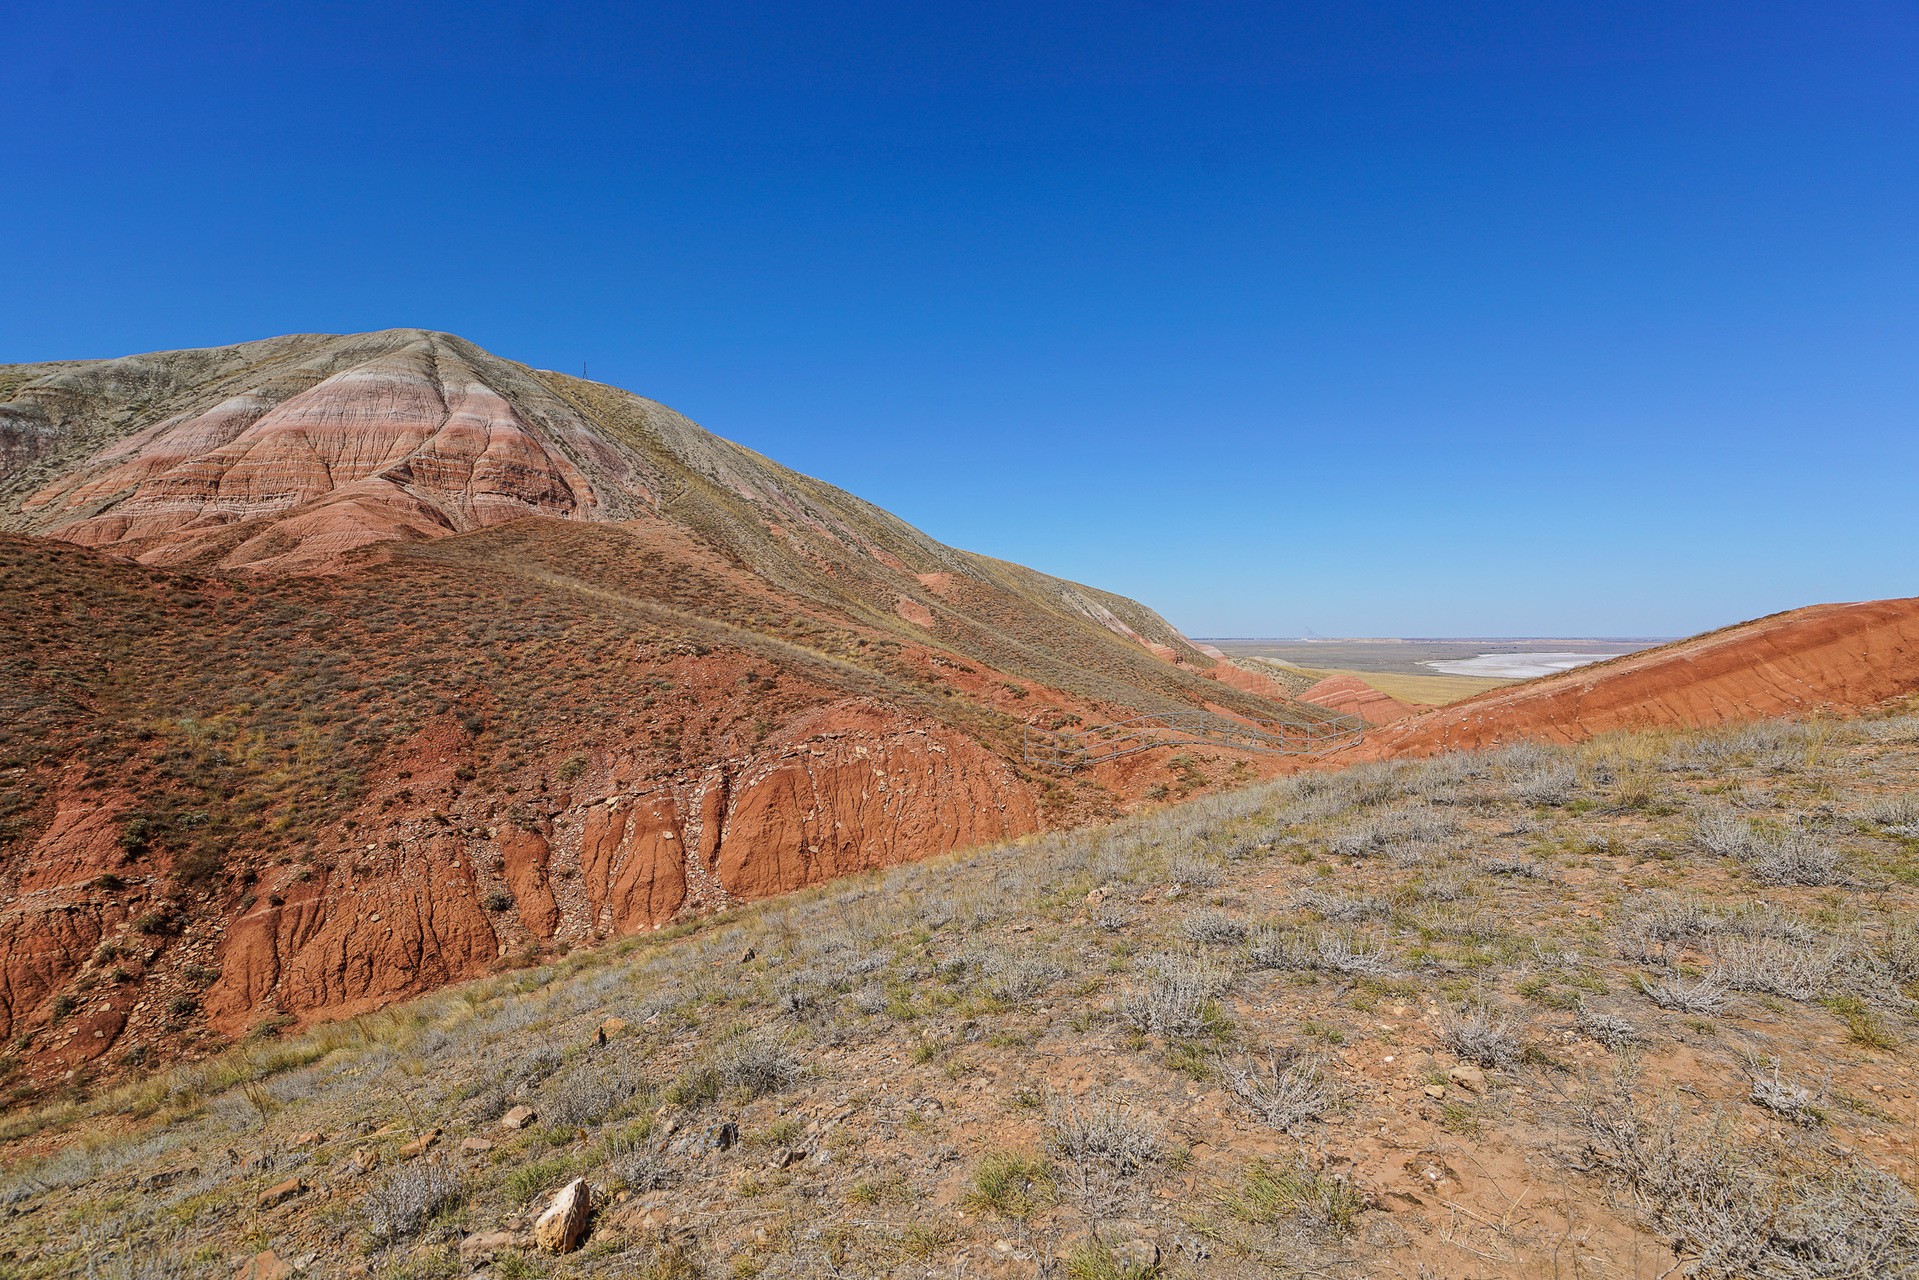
{"points": [[1830, 657], [863, 789], [426, 900], [860, 797], [563, 1226]]}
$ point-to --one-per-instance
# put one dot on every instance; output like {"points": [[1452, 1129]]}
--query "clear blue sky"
{"points": [[1403, 318]]}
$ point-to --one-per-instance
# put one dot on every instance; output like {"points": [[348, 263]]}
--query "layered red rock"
{"points": [[1352, 696], [409, 445], [1237, 677]]}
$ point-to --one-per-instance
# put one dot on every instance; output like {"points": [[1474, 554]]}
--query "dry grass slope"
{"points": [[1436, 1018]]}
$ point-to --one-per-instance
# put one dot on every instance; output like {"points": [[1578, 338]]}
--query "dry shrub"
{"points": [[1552, 783], [400, 1204], [1011, 979], [1608, 1029], [591, 1092], [1285, 1094], [1180, 998], [1781, 1096], [1414, 828], [1100, 1141], [1489, 1037], [1211, 927], [1789, 857], [1898, 814], [1776, 968], [1774, 1207], [1319, 950], [1341, 907], [1706, 996]]}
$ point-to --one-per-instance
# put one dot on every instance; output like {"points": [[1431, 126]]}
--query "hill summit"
{"points": [[342, 667]]}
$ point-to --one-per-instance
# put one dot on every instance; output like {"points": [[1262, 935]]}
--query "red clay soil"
{"points": [[1354, 697], [1824, 658]]}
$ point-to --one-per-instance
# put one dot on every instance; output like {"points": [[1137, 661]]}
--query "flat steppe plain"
{"points": [[1395, 666]]}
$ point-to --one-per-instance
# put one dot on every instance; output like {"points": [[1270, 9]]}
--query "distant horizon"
{"points": [[1412, 639]]}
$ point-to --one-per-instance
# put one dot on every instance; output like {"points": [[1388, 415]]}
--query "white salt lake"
{"points": [[1517, 666]]}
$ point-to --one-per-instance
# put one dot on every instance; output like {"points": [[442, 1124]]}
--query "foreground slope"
{"points": [[1634, 1009], [1824, 658], [339, 668]]}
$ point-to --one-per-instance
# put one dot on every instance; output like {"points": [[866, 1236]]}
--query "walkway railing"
{"points": [[1070, 749]]}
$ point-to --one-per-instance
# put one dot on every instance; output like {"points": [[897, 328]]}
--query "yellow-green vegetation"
{"points": [[1269, 1193], [1011, 1183]]}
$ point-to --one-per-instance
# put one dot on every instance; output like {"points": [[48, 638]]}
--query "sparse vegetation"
{"points": [[1206, 1070]]}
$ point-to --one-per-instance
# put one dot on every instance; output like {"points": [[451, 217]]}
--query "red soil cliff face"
{"points": [[617, 854], [1354, 697], [425, 897], [1829, 657]]}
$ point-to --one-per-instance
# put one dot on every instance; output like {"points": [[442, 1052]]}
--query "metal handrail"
{"points": [[1070, 749]]}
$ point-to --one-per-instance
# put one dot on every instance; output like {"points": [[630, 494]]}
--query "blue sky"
{"points": [[1467, 319]]}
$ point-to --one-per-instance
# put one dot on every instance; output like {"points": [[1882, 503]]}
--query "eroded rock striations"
{"points": [[338, 668]]}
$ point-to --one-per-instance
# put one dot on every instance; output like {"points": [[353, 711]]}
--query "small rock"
{"points": [[475, 1146], [610, 1027], [280, 1193], [419, 1144], [786, 1158], [484, 1246], [1174, 891], [364, 1160], [748, 956], [311, 1138], [161, 1179], [716, 1137], [1468, 1077], [563, 1225], [266, 1265], [518, 1118], [1435, 1090], [1137, 1256], [649, 1222]]}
